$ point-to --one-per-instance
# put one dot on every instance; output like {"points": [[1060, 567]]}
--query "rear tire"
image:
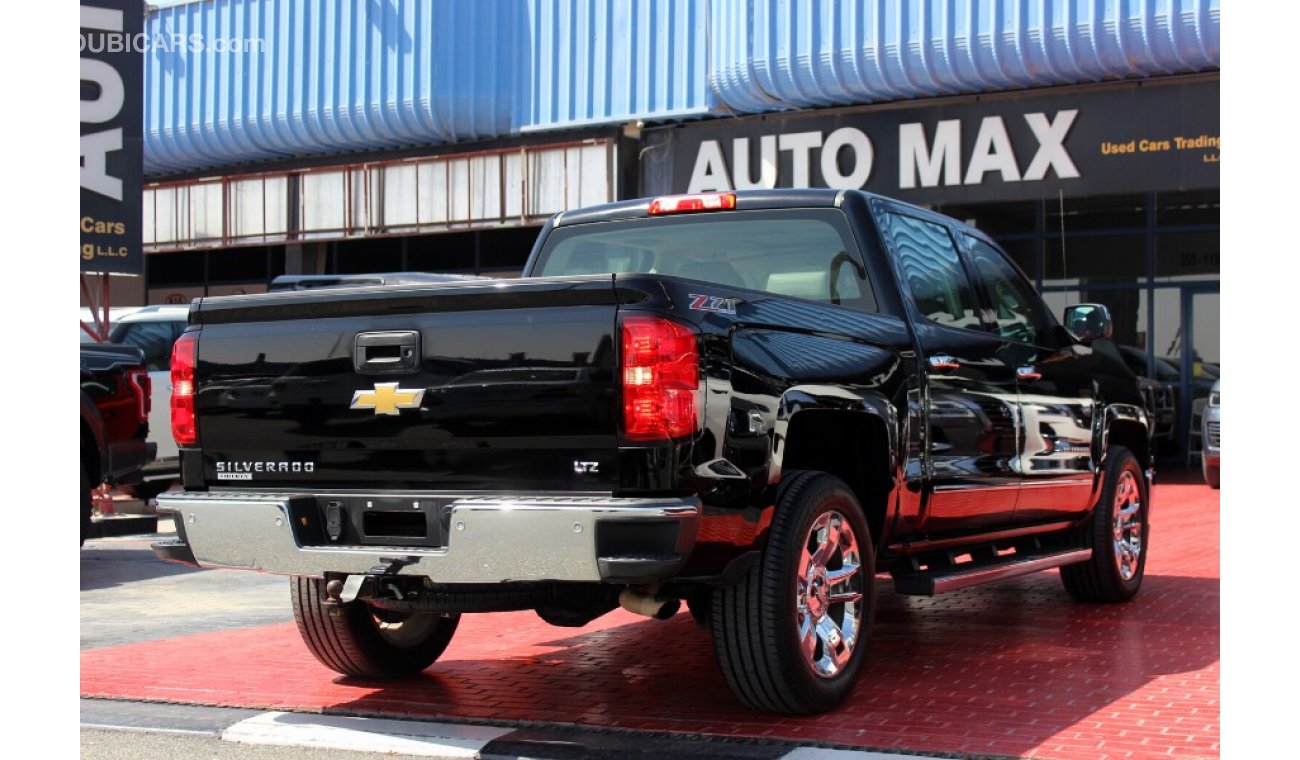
{"points": [[355, 640], [1117, 533], [791, 635]]}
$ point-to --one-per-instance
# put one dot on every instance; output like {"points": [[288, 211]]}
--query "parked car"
{"points": [[1210, 438], [1158, 393], [1168, 373], [115, 404], [153, 330], [114, 314], [1159, 402]]}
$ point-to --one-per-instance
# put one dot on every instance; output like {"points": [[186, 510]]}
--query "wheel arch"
{"points": [[853, 441], [1127, 426]]}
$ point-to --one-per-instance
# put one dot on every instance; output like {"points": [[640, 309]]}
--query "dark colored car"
{"points": [[115, 390], [1160, 405], [749, 402], [1162, 386]]}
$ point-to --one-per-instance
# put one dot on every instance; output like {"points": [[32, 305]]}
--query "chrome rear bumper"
{"points": [[492, 539]]}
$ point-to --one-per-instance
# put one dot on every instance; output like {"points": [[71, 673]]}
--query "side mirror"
{"points": [[1087, 322]]}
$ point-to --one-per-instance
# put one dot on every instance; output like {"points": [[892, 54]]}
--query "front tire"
{"points": [[1117, 533], [355, 640], [791, 635]]}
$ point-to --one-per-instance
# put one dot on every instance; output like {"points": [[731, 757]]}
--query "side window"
{"points": [[1017, 312], [930, 262]]}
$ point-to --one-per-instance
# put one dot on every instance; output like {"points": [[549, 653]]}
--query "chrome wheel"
{"points": [[828, 594], [792, 633], [1127, 526]]}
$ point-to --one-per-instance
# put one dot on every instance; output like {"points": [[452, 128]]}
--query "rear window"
{"points": [[803, 253]]}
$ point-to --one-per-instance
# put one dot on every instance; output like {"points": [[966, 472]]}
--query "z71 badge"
{"points": [[715, 304]]}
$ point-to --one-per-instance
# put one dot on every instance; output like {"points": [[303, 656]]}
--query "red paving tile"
{"points": [[1010, 669]]}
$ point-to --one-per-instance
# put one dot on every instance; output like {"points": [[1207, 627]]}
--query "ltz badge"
{"points": [[387, 398]]}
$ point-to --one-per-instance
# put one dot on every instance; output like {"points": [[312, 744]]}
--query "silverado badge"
{"points": [[387, 398]]}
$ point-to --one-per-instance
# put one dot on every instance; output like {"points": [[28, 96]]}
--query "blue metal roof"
{"points": [[300, 77], [318, 77], [601, 62], [781, 54]]}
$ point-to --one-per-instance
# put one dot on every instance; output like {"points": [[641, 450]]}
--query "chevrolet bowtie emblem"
{"points": [[387, 398]]}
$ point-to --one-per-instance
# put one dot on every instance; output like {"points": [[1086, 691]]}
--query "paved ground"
{"points": [[128, 596], [138, 729], [1014, 669]]}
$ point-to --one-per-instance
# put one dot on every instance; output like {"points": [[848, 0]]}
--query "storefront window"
{"points": [[1108, 212], [1187, 256], [1195, 208], [182, 267], [237, 265], [997, 219], [1095, 260]]}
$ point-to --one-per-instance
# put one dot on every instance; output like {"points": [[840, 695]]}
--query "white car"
{"points": [[115, 313], [154, 329]]}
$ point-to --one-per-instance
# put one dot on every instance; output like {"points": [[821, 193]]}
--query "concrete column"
{"points": [[304, 258]]}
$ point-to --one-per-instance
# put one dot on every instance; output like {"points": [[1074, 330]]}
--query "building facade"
{"points": [[294, 136]]}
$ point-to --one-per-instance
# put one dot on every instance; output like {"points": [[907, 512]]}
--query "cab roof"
{"points": [[746, 200]]}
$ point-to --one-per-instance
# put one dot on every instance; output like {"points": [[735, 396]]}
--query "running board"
{"points": [[938, 581]]}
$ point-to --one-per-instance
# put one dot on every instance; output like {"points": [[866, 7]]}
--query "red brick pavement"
{"points": [[1014, 669]]}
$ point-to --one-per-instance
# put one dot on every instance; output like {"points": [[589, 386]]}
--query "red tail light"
{"points": [[661, 379], [142, 387], [677, 204], [184, 352]]}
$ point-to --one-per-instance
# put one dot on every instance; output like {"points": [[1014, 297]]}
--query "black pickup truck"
{"points": [[751, 402], [115, 402]]}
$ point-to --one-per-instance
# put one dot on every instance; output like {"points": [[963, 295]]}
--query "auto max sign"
{"points": [[1081, 141], [111, 123]]}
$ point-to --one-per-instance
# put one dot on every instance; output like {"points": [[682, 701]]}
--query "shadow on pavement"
{"points": [[104, 565]]}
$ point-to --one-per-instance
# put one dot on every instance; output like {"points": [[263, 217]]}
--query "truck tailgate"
{"points": [[496, 386]]}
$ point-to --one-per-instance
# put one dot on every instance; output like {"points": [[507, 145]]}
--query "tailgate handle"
{"points": [[385, 352]]}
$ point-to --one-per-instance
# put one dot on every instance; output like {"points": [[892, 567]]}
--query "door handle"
{"points": [[944, 363], [1028, 374], [377, 353]]}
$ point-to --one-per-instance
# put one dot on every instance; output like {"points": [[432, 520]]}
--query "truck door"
{"points": [[1057, 401], [969, 400]]}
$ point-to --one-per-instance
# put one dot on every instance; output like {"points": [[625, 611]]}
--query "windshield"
{"points": [[804, 253]]}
